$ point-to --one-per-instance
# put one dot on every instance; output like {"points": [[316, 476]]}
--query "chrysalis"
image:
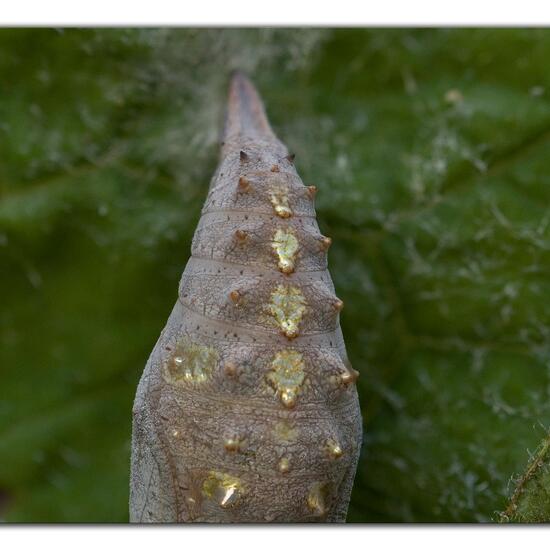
{"points": [[246, 410]]}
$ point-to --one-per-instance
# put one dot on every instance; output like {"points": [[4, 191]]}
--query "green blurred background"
{"points": [[430, 149]]}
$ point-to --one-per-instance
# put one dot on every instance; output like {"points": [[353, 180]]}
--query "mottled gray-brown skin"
{"points": [[213, 438]]}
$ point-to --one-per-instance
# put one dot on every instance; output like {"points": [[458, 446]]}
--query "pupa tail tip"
{"points": [[236, 74], [245, 115], [239, 81]]}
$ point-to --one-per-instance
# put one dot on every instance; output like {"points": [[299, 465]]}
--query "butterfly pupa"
{"points": [[247, 409]]}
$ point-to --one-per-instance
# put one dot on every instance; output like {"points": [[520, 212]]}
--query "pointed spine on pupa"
{"points": [[247, 410]]}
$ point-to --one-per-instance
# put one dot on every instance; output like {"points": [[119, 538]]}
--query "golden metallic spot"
{"points": [[230, 369], [241, 235], [244, 185], [349, 376], [284, 465], [286, 247], [311, 191], [325, 243], [190, 363], [338, 304], [287, 376], [175, 433], [288, 399], [283, 432], [317, 498], [275, 168], [235, 296], [287, 306], [232, 444], [279, 200], [333, 448], [225, 489]]}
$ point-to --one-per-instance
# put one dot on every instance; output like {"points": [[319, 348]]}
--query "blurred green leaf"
{"points": [[430, 151]]}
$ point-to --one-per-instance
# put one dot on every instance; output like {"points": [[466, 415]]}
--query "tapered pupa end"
{"points": [[245, 117]]}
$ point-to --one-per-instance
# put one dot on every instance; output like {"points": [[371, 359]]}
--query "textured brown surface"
{"points": [[246, 410]]}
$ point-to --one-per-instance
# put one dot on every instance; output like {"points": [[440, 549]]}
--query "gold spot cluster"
{"points": [[190, 363], [317, 498], [287, 376], [283, 432], [287, 307], [279, 200], [223, 488], [286, 247]]}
